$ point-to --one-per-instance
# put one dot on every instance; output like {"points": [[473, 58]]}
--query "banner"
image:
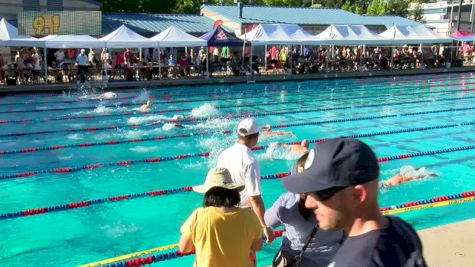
{"points": [[60, 22]]}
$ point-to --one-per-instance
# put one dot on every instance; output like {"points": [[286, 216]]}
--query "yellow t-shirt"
{"points": [[222, 239]]}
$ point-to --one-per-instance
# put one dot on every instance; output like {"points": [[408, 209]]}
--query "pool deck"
{"points": [[450, 245], [230, 80]]}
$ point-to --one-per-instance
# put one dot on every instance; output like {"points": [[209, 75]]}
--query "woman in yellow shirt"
{"points": [[220, 233]]}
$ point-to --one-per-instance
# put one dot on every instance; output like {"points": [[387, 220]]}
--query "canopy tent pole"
{"points": [[140, 53], [159, 64], [206, 73], [422, 56], [362, 58], [250, 62], [265, 57], [45, 64], [291, 56]]}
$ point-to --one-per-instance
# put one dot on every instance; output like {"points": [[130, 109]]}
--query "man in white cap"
{"points": [[81, 60], [244, 168]]}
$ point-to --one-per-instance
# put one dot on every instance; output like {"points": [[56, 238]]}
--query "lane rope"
{"points": [[204, 133], [86, 203], [126, 260], [241, 115], [162, 111], [214, 98]]}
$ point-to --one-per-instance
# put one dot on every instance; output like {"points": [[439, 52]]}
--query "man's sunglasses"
{"points": [[327, 193]]}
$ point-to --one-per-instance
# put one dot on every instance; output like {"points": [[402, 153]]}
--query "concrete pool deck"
{"points": [[450, 245], [230, 80]]}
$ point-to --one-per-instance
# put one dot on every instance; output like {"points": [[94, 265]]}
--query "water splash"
{"points": [[204, 111]]}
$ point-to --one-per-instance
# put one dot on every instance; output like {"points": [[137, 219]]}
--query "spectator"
{"points": [[341, 183], [220, 233], [244, 168], [316, 247], [59, 56], [81, 60]]}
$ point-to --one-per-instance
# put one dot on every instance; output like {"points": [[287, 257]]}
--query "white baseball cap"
{"points": [[247, 127]]}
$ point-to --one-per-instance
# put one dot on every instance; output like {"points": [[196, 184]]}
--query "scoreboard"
{"points": [[60, 22]]}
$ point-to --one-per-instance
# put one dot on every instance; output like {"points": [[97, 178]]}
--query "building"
{"points": [[315, 20], [10, 8], [443, 20]]}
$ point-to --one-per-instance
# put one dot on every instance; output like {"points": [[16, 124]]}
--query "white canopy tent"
{"points": [[9, 36], [350, 35], [175, 37], [72, 41], [419, 34], [124, 37], [265, 34]]}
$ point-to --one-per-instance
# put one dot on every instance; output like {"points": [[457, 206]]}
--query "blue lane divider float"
{"points": [[62, 170], [230, 116], [193, 100], [86, 203], [162, 111], [204, 133]]}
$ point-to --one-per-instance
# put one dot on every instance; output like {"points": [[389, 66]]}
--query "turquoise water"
{"points": [[79, 236]]}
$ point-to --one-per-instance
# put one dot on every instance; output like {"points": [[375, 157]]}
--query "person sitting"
{"points": [[406, 174], [301, 228], [146, 107], [268, 131], [220, 233]]}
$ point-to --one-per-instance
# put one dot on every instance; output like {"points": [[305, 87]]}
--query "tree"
{"points": [[398, 7], [142, 6]]}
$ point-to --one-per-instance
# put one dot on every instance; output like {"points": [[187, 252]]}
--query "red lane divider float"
{"points": [[136, 260], [245, 115], [194, 155], [85, 203], [137, 113], [203, 133], [191, 100]]}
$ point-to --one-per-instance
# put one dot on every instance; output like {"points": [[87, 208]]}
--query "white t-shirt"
{"points": [[244, 168], [59, 55]]}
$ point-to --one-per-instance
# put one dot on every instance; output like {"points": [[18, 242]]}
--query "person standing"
{"points": [[244, 168], [221, 233], [341, 187], [81, 60]]}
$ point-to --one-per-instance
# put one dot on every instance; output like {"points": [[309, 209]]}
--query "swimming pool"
{"points": [[58, 149]]}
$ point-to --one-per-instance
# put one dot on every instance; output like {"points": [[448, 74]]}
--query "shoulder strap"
{"points": [[298, 258]]}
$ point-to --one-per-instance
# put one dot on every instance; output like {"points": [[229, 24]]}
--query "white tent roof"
{"points": [[350, 35], [124, 37], [279, 34], [9, 36], [175, 37], [72, 41], [413, 34]]}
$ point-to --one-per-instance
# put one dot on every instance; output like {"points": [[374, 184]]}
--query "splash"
{"points": [[168, 126], [75, 136], [276, 151], [102, 109], [143, 149], [140, 120], [204, 111], [142, 97], [118, 229]]}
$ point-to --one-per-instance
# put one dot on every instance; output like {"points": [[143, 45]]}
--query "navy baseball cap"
{"points": [[336, 162]]}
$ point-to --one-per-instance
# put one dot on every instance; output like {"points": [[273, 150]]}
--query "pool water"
{"points": [[339, 108]]}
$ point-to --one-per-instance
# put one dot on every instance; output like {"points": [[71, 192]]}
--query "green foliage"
{"points": [[376, 7]]}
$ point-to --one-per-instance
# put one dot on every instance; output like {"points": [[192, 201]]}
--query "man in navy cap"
{"points": [[341, 183]]}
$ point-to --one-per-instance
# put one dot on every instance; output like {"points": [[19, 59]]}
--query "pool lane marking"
{"points": [[214, 98], [162, 111], [204, 133], [241, 115], [125, 260], [187, 94]]}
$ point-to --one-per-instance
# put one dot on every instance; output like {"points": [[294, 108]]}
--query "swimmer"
{"points": [[301, 148], [107, 95], [406, 174], [268, 131], [146, 107]]}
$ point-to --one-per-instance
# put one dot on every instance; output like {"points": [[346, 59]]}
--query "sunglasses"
{"points": [[327, 193]]}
